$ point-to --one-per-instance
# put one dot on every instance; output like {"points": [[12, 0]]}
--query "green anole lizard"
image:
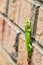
{"points": [[27, 38]]}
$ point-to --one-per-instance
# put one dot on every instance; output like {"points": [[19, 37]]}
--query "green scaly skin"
{"points": [[27, 38]]}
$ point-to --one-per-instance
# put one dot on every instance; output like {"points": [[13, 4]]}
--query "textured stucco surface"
{"points": [[4, 58], [39, 32], [3, 5]]}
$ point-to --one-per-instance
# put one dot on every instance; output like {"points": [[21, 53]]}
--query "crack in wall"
{"points": [[17, 41], [37, 46], [10, 22], [7, 55], [36, 1], [41, 1], [16, 45], [35, 20], [7, 7]]}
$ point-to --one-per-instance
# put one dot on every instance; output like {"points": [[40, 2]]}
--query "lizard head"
{"points": [[27, 25]]}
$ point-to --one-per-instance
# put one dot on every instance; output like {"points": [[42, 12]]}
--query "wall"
{"points": [[16, 11]]}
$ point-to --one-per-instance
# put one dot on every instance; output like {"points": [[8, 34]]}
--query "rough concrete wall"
{"points": [[12, 16]]}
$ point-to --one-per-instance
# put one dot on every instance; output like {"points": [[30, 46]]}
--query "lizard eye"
{"points": [[29, 29]]}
